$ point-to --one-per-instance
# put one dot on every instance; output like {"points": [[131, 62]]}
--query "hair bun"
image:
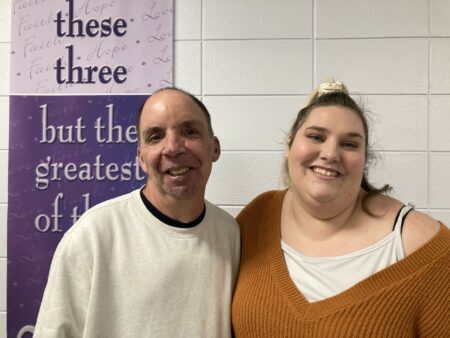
{"points": [[331, 86]]}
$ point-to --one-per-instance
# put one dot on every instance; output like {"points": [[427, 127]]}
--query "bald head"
{"points": [[176, 91]]}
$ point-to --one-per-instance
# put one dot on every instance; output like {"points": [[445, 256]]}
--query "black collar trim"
{"points": [[170, 221]]}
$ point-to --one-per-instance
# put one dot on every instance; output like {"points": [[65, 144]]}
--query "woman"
{"points": [[332, 256]]}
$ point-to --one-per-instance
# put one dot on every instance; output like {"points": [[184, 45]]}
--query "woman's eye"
{"points": [[315, 137]]}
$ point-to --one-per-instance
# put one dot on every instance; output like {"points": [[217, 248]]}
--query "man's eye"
{"points": [[153, 138], [191, 131]]}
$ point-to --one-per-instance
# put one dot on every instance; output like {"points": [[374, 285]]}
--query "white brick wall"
{"points": [[253, 19], [5, 33], [440, 123], [269, 66], [371, 19], [253, 62], [439, 14], [375, 66]]}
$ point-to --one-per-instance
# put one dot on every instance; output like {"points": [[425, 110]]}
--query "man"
{"points": [[160, 261]]}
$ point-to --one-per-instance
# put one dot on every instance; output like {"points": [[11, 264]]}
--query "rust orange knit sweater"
{"points": [[407, 299]]}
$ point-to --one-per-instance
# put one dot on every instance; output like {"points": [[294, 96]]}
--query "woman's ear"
{"points": [[286, 146]]}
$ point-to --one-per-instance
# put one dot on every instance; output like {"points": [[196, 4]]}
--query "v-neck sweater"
{"points": [[407, 299]]}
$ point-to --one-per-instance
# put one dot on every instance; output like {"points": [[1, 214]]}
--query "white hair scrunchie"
{"points": [[331, 87]]}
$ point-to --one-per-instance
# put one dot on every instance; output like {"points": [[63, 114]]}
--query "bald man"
{"points": [[160, 261]]}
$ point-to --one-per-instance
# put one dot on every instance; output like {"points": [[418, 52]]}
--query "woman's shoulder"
{"points": [[418, 227], [261, 203]]}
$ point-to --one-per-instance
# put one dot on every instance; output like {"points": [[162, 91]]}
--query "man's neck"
{"points": [[184, 211]]}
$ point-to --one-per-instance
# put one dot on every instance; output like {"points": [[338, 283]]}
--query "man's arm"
{"points": [[66, 297]]}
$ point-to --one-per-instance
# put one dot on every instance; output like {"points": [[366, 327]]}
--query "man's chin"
{"points": [[184, 193]]}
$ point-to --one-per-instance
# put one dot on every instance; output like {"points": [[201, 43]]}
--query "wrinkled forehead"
{"points": [[172, 106]]}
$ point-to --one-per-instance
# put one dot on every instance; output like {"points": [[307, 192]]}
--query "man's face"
{"points": [[175, 150]]}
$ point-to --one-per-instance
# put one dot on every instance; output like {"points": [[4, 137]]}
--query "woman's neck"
{"points": [[303, 223]]}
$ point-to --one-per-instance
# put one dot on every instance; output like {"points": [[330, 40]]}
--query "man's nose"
{"points": [[174, 145]]}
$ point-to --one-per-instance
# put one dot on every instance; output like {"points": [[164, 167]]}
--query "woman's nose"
{"points": [[330, 151]]}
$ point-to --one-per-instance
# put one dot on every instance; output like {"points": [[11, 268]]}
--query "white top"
{"points": [[121, 272], [319, 278]]}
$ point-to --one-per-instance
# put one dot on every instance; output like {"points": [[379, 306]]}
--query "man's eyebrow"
{"points": [[325, 130], [151, 130], [155, 129], [189, 123]]}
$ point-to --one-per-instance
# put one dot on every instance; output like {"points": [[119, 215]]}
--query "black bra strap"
{"points": [[403, 218]]}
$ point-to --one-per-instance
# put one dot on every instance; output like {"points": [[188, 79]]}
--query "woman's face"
{"points": [[327, 157]]}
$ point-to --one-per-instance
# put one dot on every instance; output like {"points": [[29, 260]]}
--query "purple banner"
{"points": [[67, 154], [68, 150]]}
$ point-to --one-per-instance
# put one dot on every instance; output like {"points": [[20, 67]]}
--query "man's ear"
{"points": [[216, 150], [141, 160]]}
